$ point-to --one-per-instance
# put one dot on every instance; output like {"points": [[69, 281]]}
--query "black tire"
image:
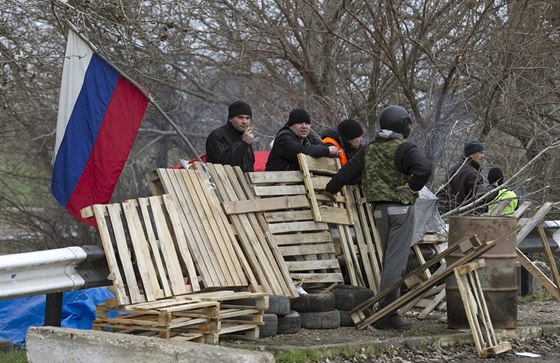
{"points": [[270, 327], [313, 303], [321, 320], [278, 304], [347, 297], [289, 323], [345, 319]]}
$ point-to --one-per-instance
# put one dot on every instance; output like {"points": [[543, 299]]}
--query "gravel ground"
{"points": [[535, 313]]}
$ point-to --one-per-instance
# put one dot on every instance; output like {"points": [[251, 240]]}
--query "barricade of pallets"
{"points": [[156, 278]]}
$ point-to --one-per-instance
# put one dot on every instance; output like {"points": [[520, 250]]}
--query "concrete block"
{"points": [[51, 344]]}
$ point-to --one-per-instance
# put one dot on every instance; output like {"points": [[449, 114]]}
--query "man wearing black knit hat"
{"points": [[465, 182], [230, 144], [351, 132], [347, 138], [294, 138]]}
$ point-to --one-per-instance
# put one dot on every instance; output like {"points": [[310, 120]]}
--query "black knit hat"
{"points": [[297, 116], [472, 147], [239, 108], [350, 129], [495, 175]]}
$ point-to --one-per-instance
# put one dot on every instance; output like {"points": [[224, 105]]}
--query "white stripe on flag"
{"points": [[76, 61]]}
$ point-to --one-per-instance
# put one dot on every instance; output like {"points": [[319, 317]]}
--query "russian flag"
{"points": [[99, 114]]}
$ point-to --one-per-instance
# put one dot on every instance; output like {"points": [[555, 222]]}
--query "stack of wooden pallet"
{"points": [[156, 279]]}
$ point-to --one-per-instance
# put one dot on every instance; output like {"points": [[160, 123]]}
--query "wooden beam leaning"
{"points": [[553, 287], [472, 248], [294, 230], [272, 252], [140, 239], [256, 248], [215, 249], [476, 310]]}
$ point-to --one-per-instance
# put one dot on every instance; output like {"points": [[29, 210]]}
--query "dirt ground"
{"points": [[534, 313]]}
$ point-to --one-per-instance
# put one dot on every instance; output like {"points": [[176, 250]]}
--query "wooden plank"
{"points": [[246, 234], [312, 265], [272, 269], [335, 215], [320, 182], [146, 271], [217, 237], [289, 216], [156, 253], [522, 209], [279, 190], [538, 274], [277, 228], [307, 249], [198, 244], [277, 259], [549, 256], [223, 233], [290, 239], [110, 255], [311, 278], [470, 311], [534, 221], [275, 177], [302, 159], [124, 254], [324, 165], [167, 246], [181, 242], [263, 205]]}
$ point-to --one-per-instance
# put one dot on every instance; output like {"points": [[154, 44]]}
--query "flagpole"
{"points": [[139, 88]]}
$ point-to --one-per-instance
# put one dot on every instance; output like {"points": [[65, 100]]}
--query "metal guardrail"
{"points": [[74, 268], [48, 271]]}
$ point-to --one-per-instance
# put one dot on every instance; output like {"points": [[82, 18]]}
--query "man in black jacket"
{"points": [[393, 171], [230, 144], [465, 182], [294, 138]]}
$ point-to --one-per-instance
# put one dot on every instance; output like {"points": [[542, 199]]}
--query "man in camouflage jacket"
{"points": [[393, 171]]}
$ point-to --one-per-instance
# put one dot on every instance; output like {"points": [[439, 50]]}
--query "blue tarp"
{"points": [[78, 311]]}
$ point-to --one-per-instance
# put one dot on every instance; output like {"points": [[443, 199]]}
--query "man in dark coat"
{"points": [[230, 144], [465, 182], [393, 171], [294, 138]]}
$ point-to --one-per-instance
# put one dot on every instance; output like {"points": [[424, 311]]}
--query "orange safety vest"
{"points": [[341, 153]]}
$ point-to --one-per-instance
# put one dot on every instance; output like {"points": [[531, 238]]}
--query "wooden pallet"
{"points": [[215, 250], [366, 314], [477, 311], [306, 245], [145, 248], [529, 224], [435, 297], [190, 320], [350, 213], [264, 257], [233, 318], [201, 317]]}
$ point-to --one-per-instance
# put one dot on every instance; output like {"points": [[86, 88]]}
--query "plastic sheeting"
{"points": [[78, 311], [426, 216]]}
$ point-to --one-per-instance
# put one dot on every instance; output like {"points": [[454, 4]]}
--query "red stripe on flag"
{"points": [[111, 149]]}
